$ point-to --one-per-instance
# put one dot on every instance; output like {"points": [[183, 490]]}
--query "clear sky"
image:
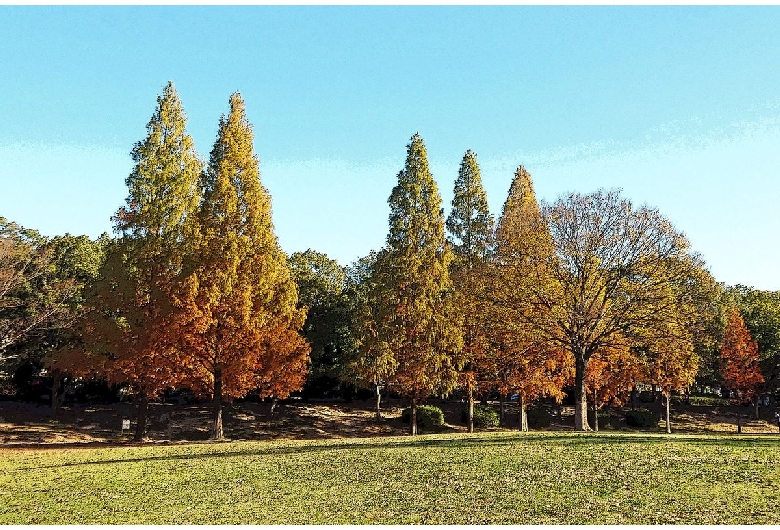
{"points": [[678, 106]]}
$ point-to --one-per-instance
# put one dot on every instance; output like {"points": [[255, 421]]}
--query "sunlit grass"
{"points": [[494, 478]]}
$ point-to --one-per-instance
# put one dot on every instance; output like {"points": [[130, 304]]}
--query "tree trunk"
{"points": [[655, 393], [55, 390], [470, 421], [413, 418], [758, 412], [522, 417], [140, 425], [668, 396], [274, 402], [378, 401], [216, 429], [580, 397], [739, 421], [595, 412], [501, 407], [633, 398]]}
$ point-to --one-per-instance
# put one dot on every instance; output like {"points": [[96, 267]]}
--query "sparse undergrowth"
{"points": [[528, 478]]}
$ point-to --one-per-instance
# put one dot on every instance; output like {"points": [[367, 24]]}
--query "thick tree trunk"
{"points": [[378, 402], [668, 396], [522, 416], [140, 425], [413, 418], [470, 421], [580, 397], [216, 429]]}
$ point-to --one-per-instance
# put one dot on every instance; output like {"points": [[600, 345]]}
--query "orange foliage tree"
{"points": [[129, 325], [739, 361], [525, 361], [611, 375], [238, 324]]}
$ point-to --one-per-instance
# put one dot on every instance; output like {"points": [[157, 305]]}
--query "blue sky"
{"points": [[678, 106]]}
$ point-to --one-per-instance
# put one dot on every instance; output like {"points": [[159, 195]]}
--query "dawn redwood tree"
{"points": [[609, 278], [739, 361], [239, 324], [527, 363], [470, 226], [418, 321], [130, 321]]}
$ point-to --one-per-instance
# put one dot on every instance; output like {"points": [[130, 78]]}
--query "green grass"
{"points": [[530, 478]]}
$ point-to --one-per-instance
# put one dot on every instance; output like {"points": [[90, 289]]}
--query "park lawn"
{"points": [[497, 478]]}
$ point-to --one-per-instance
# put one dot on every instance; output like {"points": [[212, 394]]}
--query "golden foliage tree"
{"points": [[526, 362], [131, 317], [417, 320], [470, 226], [608, 279], [239, 324]]}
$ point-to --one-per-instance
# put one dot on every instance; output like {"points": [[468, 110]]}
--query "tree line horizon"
{"points": [[588, 294]]}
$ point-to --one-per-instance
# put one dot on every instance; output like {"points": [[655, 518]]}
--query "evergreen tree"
{"points": [[240, 325], [470, 226], [419, 322], [132, 309]]}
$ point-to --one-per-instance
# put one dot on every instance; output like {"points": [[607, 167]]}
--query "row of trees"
{"points": [[588, 294]]}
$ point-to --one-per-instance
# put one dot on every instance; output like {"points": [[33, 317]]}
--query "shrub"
{"points": [[538, 418], [483, 416], [428, 416], [641, 418], [605, 419]]}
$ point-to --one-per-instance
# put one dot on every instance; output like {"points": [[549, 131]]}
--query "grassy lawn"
{"points": [[502, 477]]}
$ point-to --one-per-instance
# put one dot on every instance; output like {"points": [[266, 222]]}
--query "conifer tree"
{"points": [[131, 303], [241, 326], [470, 226], [419, 322], [532, 367]]}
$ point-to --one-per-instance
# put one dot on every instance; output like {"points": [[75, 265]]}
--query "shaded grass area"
{"points": [[496, 478]]}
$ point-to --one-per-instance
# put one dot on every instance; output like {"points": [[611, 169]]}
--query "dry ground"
{"points": [[25, 424]]}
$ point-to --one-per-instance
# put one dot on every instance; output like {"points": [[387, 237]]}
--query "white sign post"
{"points": [[125, 425]]}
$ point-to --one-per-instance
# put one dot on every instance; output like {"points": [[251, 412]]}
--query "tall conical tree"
{"points": [[132, 299], [533, 368], [470, 223], [419, 324], [242, 329], [470, 226]]}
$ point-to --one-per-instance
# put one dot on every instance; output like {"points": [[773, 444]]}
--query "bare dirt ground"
{"points": [[28, 425]]}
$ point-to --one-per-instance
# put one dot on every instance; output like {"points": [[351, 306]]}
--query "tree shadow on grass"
{"points": [[559, 441]]}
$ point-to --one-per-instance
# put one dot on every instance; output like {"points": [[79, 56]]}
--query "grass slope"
{"points": [[519, 478]]}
